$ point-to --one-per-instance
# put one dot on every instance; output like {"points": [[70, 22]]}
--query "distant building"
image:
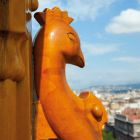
{"points": [[127, 125], [110, 125], [114, 106]]}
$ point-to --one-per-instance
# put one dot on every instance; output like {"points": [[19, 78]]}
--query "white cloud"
{"points": [[100, 48], [127, 22], [128, 59], [83, 9], [79, 9], [138, 1], [49, 4]]}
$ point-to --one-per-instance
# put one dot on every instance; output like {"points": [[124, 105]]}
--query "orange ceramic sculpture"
{"points": [[60, 113]]}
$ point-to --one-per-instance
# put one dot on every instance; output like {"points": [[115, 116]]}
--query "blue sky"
{"points": [[110, 36]]}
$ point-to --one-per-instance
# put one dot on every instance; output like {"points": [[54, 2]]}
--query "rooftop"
{"points": [[132, 114]]}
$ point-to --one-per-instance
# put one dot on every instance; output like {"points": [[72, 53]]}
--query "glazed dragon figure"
{"points": [[60, 113]]}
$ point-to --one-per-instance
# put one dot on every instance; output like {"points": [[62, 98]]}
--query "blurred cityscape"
{"points": [[123, 106]]}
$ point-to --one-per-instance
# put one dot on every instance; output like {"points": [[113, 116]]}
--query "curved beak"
{"points": [[79, 60]]}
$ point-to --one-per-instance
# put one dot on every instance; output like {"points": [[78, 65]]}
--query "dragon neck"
{"points": [[53, 64], [53, 73]]}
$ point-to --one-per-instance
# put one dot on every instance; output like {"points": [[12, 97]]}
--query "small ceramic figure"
{"points": [[62, 114]]}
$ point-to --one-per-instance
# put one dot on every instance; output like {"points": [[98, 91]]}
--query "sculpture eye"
{"points": [[71, 36]]}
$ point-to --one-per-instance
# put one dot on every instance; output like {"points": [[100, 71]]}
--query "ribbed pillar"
{"points": [[15, 70]]}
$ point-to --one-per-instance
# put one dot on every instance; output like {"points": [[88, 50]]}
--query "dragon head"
{"points": [[62, 37]]}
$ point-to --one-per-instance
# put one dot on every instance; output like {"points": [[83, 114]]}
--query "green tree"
{"points": [[108, 135]]}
